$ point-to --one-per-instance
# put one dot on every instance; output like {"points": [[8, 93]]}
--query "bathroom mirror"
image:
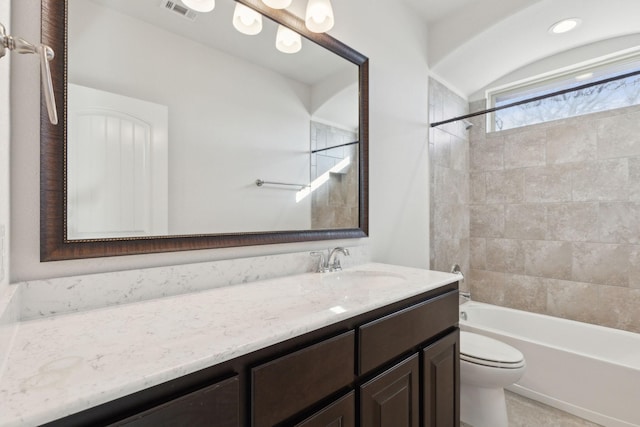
{"points": [[178, 132]]}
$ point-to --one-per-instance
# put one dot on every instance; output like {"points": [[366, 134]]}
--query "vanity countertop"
{"points": [[64, 364]]}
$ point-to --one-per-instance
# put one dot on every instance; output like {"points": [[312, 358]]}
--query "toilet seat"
{"points": [[485, 351]]}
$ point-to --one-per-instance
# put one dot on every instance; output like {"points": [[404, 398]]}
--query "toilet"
{"points": [[487, 366]]}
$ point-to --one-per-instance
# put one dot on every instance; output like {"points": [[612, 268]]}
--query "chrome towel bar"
{"points": [[260, 183]]}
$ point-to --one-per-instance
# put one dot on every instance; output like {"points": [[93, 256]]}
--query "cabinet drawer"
{"points": [[385, 338], [215, 406], [285, 386]]}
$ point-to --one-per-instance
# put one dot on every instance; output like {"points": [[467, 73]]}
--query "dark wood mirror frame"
{"points": [[54, 244]]}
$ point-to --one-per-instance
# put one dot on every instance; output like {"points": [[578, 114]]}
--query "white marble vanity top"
{"points": [[64, 364]]}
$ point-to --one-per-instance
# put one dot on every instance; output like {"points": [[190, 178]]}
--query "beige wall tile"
{"points": [[618, 308], [477, 188], [459, 154], [572, 300], [548, 259], [574, 222], [441, 148], [603, 180], [487, 221], [601, 263], [478, 254], [505, 186], [526, 293], [634, 267], [619, 222], [548, 184], [505, 255], [555, 206], [486, 154], [487, 286], [619, 135], [526, 221], [525, 148], [572, 143], [634, 179]]}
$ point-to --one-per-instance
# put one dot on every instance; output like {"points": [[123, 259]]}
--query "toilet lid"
{"points": [[481, 350]]}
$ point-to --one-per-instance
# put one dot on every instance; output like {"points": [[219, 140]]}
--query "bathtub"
{"points": [[587, 370]]}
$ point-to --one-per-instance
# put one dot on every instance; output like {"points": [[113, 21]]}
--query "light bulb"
{"points": [[247, 20], [319, 16], [200, 5], [277, 4], [288, 41]]}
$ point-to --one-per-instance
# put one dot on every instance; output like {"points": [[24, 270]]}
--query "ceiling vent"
{"points": [[179, 9]]}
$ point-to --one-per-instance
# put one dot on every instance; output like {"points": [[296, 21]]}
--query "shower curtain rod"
{"points": [[537, 98], [335, 146]]}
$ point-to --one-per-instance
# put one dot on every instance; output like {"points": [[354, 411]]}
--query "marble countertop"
{"points": [[64, 364]]}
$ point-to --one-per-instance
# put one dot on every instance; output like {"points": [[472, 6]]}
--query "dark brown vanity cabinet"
{"points": [[341, 413], [291, 383], [441, 380], [427, 379], [392, 399], [394, 366], [216, 405]]}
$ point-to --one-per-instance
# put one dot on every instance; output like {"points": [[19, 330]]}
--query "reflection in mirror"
{"points": [[171, 118]]}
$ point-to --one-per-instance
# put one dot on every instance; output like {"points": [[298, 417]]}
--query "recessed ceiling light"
{"points": [[565, 25], [584, 76]]}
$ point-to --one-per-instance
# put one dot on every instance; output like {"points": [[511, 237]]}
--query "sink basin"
{"points": [[363, 277]]}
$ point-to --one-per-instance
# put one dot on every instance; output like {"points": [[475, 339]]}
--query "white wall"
{"points": [[5, 16], [209, 106], [394, 40]]}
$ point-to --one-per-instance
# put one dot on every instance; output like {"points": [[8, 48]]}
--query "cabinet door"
{"points": [[392, 398], [213, 406], [441, 379], [341, 413]]}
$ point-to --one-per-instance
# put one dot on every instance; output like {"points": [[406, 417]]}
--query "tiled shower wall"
{"points": [[555, 217], [335, 203], [449, 169]]}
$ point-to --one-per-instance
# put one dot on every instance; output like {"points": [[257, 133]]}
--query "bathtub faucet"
{"points": [[466, 296], [455, 269]]}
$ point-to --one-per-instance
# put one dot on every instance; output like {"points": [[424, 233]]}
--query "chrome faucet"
{"points": [[322, 264], [333, 263]]}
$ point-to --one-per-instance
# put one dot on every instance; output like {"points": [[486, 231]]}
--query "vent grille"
{"points": [[179, 9]]}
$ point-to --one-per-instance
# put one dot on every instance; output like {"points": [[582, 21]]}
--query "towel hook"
{"points": [[45, 53]]}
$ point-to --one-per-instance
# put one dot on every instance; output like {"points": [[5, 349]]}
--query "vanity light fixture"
{"points": [[247, 20], [200, 5], [564, 26], [277, 4], [288, 41], [319, 16]]}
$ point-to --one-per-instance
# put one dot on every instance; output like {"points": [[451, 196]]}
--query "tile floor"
{"points": [[525, 412]]}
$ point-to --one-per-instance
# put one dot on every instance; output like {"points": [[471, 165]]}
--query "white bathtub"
{"points": [[587, 370]]}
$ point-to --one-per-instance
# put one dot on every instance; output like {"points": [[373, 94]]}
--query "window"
{"points": [[616, 94]]}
